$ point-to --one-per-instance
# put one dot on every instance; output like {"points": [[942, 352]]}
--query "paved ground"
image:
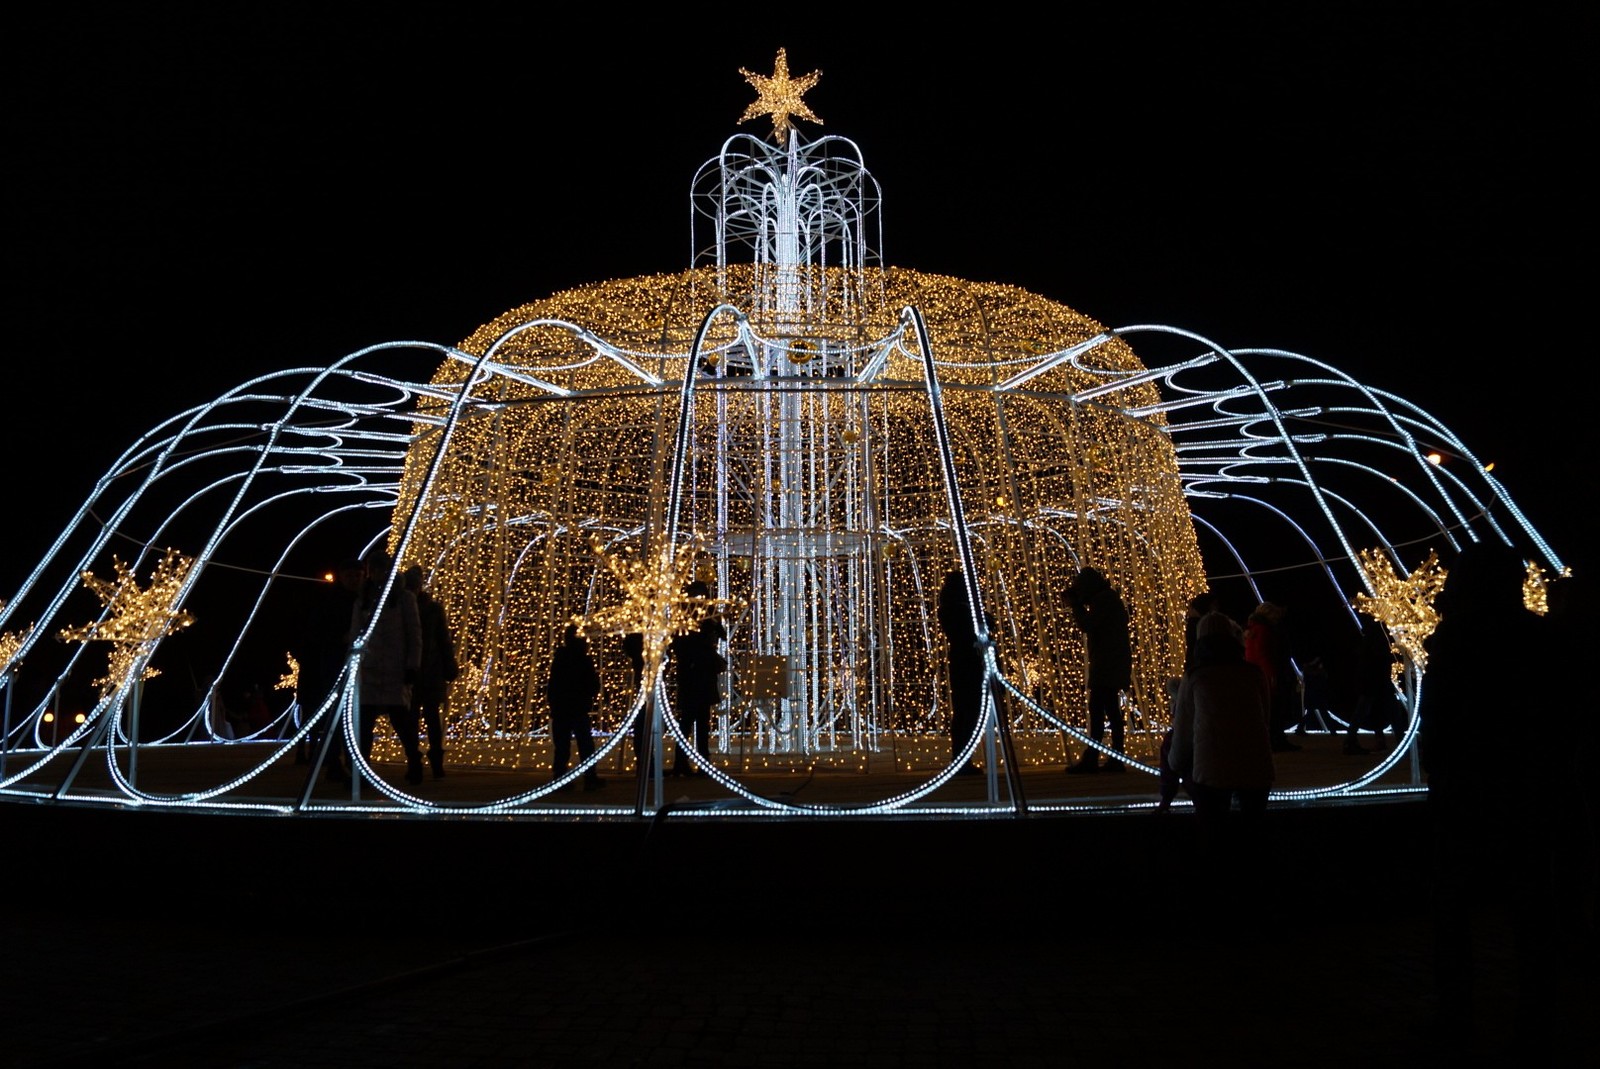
{"points": [[151, 940]]}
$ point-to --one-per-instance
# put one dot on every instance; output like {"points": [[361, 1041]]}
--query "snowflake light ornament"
{"points": [[655, 599], [135, 619]]}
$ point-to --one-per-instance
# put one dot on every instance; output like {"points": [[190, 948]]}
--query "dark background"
{"points": [[199, 199]]}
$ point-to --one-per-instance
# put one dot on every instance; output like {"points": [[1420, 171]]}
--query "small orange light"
{"points": [[49, 718], [79, 718], [1435, 458]]}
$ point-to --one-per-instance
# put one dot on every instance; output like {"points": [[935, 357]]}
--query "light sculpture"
{"points": [[136, 618], [1403, 604], [817, 435]]}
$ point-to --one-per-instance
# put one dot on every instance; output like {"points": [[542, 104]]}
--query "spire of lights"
{"points": [[779, 96], [135, 619], [1403, 606]]}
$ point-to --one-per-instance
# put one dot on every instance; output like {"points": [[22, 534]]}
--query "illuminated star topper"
{"points": [[779, 96]]}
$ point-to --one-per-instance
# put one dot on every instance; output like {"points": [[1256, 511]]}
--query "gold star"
{"points": [[779, 96]]}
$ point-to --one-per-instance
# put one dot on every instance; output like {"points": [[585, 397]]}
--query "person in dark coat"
{"points": [[389, 662], [1486, 661], [438, 669], [321, 649], [1376, 703], [1099, 610], [1221, 740], [966, 665], [633, 649], [574, 685], [698, 665]]}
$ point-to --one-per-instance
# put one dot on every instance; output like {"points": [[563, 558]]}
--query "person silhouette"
{"points": [[1490, 837], [389, 662], [698, 664], [437, 671], [572, 689], [1376, 701], [1099, 610], [1222, 748], [320, 648], [633, 649], [966, 665]]}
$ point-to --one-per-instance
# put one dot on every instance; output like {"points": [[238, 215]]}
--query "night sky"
{"points": [[199, 201]]}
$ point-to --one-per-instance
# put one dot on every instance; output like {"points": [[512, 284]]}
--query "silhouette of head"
{"points": [[1268, 612], [1089, 581]]}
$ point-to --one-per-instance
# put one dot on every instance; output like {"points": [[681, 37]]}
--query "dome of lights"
{"points": [[810, 476]]}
